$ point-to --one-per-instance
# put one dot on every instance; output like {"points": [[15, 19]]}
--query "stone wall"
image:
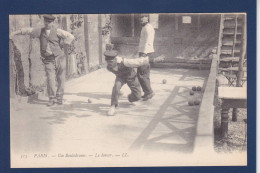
{"points": [[176, 40]]}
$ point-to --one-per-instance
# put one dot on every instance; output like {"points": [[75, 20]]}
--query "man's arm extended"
{"points": [[137, 62], [66, 36], [33, 32]]}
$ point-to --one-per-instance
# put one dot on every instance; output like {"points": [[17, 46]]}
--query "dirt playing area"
{"points": [[165, 123]]}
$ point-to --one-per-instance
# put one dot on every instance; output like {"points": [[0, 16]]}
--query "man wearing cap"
{"points": [[53, 57], [124, 75], [145, 49]]}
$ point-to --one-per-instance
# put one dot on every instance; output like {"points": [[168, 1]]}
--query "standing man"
{"points": [[145, 49], [53, 57]]}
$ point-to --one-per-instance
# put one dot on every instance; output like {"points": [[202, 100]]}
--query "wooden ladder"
{"points": [[230, 37], [231, 44], [232, 50]]}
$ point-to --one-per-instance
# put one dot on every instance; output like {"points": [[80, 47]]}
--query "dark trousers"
{"points": [[133, 85], [143, 74], [55, 70]]}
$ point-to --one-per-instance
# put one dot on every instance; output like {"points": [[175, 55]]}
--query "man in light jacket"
{"points": [[145, 49]]}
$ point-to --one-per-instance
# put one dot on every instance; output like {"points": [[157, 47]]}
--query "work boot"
{"points": [[148, 96], [111, 111], [59, 100], [29, 91], [51, 102], [143, 96], [132, 98]]}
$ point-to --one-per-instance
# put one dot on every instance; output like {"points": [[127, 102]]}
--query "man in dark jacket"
{"points": [[53, 57], [124, 75]]}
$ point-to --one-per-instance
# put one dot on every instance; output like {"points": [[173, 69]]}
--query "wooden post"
{"points": [[234, 115], [100, 38], [29, 55], [243, 53], [64, 27], [221, 26], [133, 24], [176, 22], [241, 61], [86, 38], [198, 24], [235, 38], [12, 71], [224, 122]]}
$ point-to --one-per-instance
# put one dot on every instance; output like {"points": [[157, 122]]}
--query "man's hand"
{"points": [[62, 44], [119, 59]]}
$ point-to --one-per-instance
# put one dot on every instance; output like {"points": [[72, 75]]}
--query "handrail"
{"points": [[220, 36], [235, 38], [243, 52]]}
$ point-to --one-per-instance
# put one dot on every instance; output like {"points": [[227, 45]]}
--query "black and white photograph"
{"points": [[128, 90]]}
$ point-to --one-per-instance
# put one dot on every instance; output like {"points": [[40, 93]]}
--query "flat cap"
{"points": [[110, 54], [49, 17]]}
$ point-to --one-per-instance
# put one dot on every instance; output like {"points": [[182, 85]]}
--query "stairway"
{"points": [[231, 46], [231, 38]]}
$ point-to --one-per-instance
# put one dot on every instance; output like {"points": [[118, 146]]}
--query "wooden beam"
{"points": [[133, 24], [100, 38], [235, 37], [220, 36], [198, 24], [86, 38], [64, 27], [176, 22], [243, 53], [240, 66], [29, 55]]}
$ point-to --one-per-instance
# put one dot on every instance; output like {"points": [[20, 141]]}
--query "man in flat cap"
{"points": [[124, 75], [145, 49], [53, 57]]}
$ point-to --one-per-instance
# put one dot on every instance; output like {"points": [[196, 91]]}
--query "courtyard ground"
{"points": [[165, 124]]}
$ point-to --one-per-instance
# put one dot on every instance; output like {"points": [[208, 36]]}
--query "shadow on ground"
{"points": [[173, 126]]}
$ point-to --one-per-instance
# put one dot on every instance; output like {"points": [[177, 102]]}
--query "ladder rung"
{"points": [[229, 15], [230, 48], [231, 33], [232, 25], [229, 52], [229, 18], [229, 59], [232, 30], [229, 42], [233, 16]]}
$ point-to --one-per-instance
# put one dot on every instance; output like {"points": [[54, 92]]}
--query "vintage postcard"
{"points": [[128, 90]]}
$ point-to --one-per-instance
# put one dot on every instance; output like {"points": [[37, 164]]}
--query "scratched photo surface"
{"points": [[128, 90]]}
